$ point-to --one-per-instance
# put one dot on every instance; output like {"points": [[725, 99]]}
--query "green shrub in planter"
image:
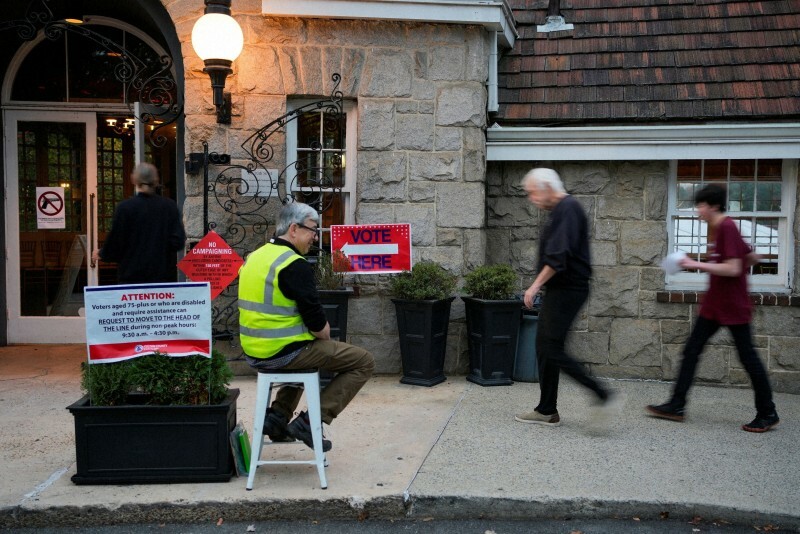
{"points": [[163, 380], [427, 280], [491, 282], [324, 274]]}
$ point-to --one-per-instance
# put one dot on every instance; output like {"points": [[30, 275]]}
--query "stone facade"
{"points": [[624, 331], [420, 95]]}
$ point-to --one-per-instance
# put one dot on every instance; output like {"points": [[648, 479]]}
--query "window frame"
{"points": [[348, 189], [781, 282]]}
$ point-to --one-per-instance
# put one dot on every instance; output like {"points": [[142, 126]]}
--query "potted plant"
{"points": [[155, 419], [423, 299], [334, 297], [493, 318]]}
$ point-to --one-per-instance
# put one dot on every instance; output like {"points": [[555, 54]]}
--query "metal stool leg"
{"points": [[315, 420], [264, 388]]}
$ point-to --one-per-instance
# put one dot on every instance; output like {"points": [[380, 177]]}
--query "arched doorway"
{"points": [[76, 121]]}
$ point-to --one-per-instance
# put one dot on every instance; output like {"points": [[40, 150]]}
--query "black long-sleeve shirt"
{"points": [[296, 281], [146, 234], [564, 245]]}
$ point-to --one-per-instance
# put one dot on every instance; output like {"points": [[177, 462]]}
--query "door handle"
{"points": [[92, 263]]}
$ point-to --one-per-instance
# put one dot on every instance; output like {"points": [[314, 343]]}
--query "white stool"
{"points": [[310, 380]]}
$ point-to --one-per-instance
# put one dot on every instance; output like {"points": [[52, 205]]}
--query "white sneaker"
{"points": [[537, 418]]}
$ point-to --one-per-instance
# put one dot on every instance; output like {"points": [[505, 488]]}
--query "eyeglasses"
{"points": [[314, 229]]}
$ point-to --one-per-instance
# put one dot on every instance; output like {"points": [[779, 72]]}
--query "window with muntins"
{"points": [[761, 195], [324, 174]]}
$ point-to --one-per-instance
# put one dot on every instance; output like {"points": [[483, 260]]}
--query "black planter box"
{"points": [[143, 444], [422, 326], [492, 330]]}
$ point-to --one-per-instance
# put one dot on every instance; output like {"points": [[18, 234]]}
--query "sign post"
{"points": [[372, 248]]}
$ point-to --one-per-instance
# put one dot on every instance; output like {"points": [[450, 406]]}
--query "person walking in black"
{"points": [[146, 233], [564, 269]]}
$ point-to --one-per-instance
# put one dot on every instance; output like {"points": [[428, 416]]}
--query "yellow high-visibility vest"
{"points": [[268, 319]]}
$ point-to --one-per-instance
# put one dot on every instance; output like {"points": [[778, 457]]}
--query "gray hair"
{"points": [[145, 174], [543, 177], [295, 213]]}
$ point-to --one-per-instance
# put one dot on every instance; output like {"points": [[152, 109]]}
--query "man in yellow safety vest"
{"points": [[283, 326]]}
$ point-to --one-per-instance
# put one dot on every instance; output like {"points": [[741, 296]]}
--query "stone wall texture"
{"points": [[623, 332], [420, 96], [419, 91]]}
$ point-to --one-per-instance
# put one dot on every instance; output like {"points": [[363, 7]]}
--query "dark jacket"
{"points": [[145, 236]]}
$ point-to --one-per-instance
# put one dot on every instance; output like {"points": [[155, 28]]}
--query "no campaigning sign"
{"points": [[371, 248], [212, 260]]}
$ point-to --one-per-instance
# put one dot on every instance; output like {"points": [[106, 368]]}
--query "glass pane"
{"points": [[740, 196], [685, 195], [715, 170], [333, 132], [690, 170], [743, 170], [308, 130], [306, 170], [333, 174], [92, 67], [52, 260], [770, 170], [42, 75], [768, 196], [765, 245]]}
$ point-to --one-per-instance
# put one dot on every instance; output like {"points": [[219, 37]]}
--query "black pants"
{"points": [[701, 333], [560, 306]]}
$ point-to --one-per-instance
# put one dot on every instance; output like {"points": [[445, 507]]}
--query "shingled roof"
{"points": [[656, 61]]}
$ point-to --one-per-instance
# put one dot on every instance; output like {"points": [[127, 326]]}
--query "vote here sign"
{"points": [[127, 321], [372, 248]]}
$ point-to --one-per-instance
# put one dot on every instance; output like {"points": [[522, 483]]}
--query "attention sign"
{"points": [[372, 248], [212, 260]]}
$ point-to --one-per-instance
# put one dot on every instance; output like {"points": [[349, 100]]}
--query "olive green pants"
{"points": [[353, 367]]}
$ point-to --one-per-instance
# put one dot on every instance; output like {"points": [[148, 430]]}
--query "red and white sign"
{"points": [[371, 248], [212, 260], [127, 321]]}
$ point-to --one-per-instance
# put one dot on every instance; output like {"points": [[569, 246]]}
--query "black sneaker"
{"points": [[275, 427], [666, 411], [301, 429], [762, 423]]}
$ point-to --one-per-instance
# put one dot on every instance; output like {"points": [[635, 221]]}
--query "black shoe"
{"points": [[301, 429], [666, 411], [762, 423], [275, 427]]}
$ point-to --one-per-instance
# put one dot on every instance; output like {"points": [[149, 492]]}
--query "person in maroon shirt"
{"points": [[726, 303]]}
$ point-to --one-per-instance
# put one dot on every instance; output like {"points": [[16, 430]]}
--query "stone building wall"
{"points": [[625, 331], [421, 100]]}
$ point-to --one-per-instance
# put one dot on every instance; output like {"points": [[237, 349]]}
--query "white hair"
{"points": [[542, 177]]}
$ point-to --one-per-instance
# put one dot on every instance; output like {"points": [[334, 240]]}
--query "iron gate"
{"points": [[242, 198]]}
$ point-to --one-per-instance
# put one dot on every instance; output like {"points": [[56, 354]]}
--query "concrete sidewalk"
{"points": [[450, 451]]}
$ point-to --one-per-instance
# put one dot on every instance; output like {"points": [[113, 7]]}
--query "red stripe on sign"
{"points": [[110, 352]]}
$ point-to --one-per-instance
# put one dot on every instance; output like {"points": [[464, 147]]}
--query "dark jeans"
{"points": [[701, 333], [560, 306]]}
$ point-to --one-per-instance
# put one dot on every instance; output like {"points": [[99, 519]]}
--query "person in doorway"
{"points": [[564, 270], [282, 325], [726, 303], [146, 233]]}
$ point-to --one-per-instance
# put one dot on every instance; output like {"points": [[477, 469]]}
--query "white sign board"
{"points": [[259, 183], [128, 321]]}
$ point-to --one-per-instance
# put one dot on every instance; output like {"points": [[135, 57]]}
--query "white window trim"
{"points": [[780, 283], [349, 189]]}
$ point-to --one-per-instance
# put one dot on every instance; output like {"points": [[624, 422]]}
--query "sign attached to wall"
{"points": [[50, 212], [128, 321], [212, 260], [371, 248]]}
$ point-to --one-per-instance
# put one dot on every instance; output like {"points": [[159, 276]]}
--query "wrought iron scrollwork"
{"points": [[152, 86], [242, 192]]}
